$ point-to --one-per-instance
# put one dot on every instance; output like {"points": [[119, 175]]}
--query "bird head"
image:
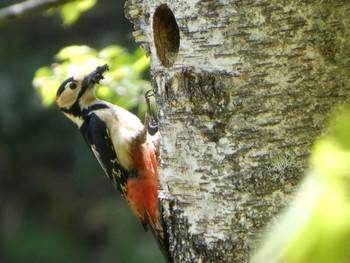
{"points": [[78, 91]]}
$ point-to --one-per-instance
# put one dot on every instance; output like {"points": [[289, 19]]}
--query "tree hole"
{"points": [[166, 35]]}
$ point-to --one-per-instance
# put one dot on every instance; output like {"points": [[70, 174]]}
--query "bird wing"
{"points": [[97, 136]]}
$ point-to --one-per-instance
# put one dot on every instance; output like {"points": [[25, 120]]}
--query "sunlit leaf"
{"points": [[70, 52], [70, 12], [104, 92], [141, 64], [340, 126], [111, 52], [123, 84], [316, 226]]}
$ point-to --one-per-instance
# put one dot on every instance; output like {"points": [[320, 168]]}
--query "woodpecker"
{"points": [[121, 144]]}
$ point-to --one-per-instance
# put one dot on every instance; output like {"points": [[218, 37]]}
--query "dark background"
{"points": [[56, 204]]}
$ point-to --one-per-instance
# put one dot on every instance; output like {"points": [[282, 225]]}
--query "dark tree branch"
{"points": [[30, 7]]}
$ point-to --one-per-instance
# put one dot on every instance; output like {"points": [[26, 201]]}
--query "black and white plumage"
{"points": [[121, 144], [106, 128]]}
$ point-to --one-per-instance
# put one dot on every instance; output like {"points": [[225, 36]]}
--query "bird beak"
{"points": [[95, 76]]}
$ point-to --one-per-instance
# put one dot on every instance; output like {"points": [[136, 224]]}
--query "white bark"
{"points": [[239, 105]]}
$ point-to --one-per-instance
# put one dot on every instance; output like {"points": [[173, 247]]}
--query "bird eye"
{"points": [[73, 85]]}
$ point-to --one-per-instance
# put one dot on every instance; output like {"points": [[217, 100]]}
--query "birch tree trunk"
{"points": [[243, 88]]}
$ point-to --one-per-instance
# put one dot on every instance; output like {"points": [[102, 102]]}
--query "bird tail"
{"points": [[143, 199], [160, 234]]}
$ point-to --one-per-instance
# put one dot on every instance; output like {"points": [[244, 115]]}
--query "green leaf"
{"points": [[316, 225], [68, 53], [123, 84], [71, 12]]}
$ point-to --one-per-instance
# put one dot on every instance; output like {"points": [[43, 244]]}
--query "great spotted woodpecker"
{"points": [[121, 144]]}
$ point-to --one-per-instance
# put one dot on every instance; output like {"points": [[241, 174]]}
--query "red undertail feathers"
{"points": [[142, 191]]}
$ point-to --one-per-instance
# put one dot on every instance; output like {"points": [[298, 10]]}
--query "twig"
{"points": [[30, 7]]}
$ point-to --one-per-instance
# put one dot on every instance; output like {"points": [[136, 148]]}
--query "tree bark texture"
{"points": [[243, 88]]}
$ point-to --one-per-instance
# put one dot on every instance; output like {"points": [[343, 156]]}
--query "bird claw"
{"points": [[150, 121]]}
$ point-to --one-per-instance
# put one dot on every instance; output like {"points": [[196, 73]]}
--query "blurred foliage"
{"points": [[57, 205], [123, 84], [34, 237], [71, 12], [316, 226]]}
